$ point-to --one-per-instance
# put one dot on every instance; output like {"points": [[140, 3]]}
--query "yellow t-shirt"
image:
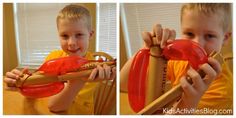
{"points": [[84, 101], [219, 95]]}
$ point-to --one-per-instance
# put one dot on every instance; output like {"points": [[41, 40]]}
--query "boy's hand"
{"points": [[103, 72], [193, 93], [158, 36], [11, 78]]}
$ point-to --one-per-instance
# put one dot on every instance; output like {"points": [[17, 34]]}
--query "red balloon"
{"points": [[137, 80], [53, 67], [186, 50], [62, 65], [40, 91], [177, 50]]}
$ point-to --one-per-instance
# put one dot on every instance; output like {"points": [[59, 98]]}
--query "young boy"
{"points": [[209, 26], [75, 30]]}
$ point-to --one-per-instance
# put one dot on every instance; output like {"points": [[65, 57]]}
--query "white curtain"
{"points": [[139, 17]]}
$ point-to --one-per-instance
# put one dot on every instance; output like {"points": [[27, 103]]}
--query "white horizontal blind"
{"points": [[141, 17], [36, 31], [107, 28]]}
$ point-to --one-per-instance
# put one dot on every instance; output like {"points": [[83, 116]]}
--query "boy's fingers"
{"points": [[113, 75], [25, 70], [169, 41], [165, 36], [101, 72], [210, 73], [11, 75], [16, 72], [11, 88], [196, 78], [147, 38], [9, 81], [107, 71], [157, 32], [187, 88], [215, 65], [93, 74], [172, 35]]}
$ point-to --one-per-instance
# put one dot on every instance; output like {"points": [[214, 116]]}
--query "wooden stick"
{"points": [[174, 92], [97, 95], [41, 78], [108, 93], [156, 75], [100, 97], [162, 100], [110, 103]]}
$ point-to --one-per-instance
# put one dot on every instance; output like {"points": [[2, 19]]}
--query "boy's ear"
{"points": [[227, 37], [91, 34]]}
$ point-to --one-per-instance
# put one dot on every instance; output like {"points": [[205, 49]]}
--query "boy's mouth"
{"points": [[73, 51]]}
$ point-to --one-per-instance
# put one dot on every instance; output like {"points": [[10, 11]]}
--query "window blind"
{"points": [[37, 32], [137, 17], [106, 41]]}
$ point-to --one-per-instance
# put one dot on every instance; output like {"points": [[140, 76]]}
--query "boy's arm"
{"points": [[62, 100], [124, 75]]}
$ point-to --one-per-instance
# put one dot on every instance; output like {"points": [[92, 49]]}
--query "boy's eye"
{"points": [[189, 34], [64, 36], [79, 34], [210, 36]]}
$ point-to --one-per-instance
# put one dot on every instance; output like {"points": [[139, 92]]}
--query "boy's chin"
{"points": [[76, 54]]}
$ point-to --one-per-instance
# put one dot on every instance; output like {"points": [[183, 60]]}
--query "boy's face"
{"points": [[74, 36], [205, 30]]}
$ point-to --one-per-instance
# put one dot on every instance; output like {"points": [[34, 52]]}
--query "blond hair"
{"points": [[223, 10], [75, 12]]}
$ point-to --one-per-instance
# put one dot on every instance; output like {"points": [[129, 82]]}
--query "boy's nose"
{"points": [[199, 40], [72, 41]]}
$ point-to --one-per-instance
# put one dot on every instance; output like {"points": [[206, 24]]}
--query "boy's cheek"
{"points": [[210, 49]]}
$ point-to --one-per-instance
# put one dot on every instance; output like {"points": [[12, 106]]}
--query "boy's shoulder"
{"points": [[60, 53], [89, 55], [55, 54]]}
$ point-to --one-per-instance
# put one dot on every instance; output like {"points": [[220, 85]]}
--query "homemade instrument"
{"points": [[147, 77], [49, 79]]}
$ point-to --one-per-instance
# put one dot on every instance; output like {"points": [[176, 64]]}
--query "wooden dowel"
{"points": [[40, 78], [156, 75], [100, 97], [75, 75], [162, 100], [107, 94], [36, 79]]}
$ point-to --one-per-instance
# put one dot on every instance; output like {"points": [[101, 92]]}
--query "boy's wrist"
{"points": [[156, 51], [76, 82]]}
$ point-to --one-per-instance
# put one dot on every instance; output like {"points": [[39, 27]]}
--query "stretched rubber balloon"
{"points": [[62, 65], [137, 80], [177, 50], [40, 91], [186, 50], [53, 67]]}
